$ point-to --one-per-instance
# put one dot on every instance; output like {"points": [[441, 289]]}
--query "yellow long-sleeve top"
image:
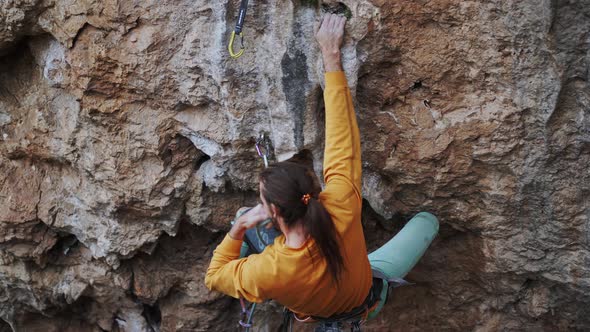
{"points": [[299, 278]]}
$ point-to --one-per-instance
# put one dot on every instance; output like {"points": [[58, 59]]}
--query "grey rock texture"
{"points": [[127, 144]]}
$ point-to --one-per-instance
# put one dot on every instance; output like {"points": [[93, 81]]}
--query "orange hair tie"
{"points": [[305, 199]]}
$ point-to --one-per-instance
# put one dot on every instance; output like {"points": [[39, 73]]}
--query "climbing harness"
{"points": [[355, 317], [238, 31]]}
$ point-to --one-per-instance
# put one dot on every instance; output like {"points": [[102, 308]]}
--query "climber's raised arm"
{"points": [[342, 155]]}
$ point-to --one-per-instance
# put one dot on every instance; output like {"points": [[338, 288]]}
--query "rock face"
{"points": [[127, 143]]}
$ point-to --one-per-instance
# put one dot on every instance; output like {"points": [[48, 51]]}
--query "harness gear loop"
{"points": [[359, 323], [287, 324], [238, 31]]}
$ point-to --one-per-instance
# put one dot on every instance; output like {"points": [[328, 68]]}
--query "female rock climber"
{"points": [[318, 266]]}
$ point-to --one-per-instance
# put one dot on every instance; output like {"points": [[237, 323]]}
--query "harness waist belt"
{"points": [[356, 312]]}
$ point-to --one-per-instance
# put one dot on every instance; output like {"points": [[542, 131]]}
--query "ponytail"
{"points": [[318, 223], [294, 190]]}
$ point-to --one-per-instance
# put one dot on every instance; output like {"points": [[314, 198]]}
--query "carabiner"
{"points": [[263, 147], [230, 47]]}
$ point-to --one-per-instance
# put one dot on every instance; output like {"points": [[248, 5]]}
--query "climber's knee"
{"points": [[427, 217]]}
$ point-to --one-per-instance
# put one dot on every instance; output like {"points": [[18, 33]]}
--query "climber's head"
{"points": [[282, 190], [290, 195]]}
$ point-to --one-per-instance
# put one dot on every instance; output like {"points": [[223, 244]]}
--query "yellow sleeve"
{"points": [[342, 154], [246, 277]]}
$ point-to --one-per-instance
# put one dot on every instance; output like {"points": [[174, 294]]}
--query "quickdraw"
{"points": [[238, 31], [264, 149], [246, 315]]}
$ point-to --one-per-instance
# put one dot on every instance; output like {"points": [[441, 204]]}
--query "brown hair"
{"points": [[284, 185]]}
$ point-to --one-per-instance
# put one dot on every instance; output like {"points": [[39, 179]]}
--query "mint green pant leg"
{"points": [[398, 256]]}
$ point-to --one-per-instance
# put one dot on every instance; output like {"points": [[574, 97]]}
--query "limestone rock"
{"points": [[127, 144]]}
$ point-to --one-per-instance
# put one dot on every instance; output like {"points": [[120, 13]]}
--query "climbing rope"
{"points": [[238, 31]]}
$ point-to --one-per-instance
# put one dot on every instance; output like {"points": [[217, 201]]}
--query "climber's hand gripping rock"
{"points": [[329, 34]]}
